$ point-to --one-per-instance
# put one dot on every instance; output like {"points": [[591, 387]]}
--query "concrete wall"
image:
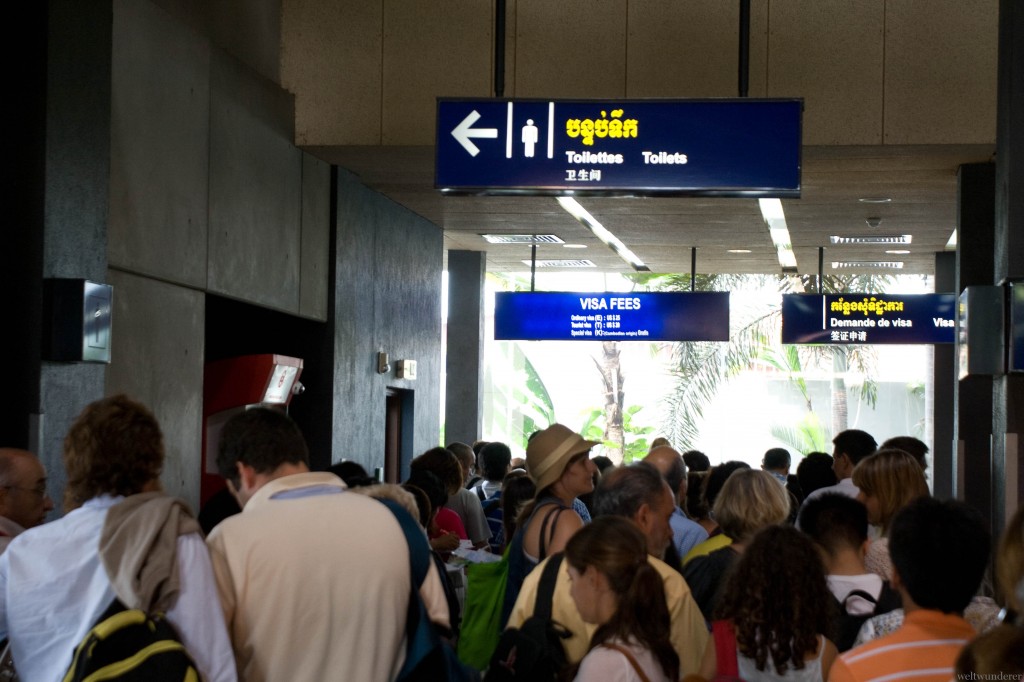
{"points": [[208, 193], [871, 72], [156, 160]]}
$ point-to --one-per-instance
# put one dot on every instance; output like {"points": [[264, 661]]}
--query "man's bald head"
{"points": [[669, 462], [23, 496]]}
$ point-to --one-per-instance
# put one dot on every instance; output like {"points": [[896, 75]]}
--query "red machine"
{"points": [[234, 385]]}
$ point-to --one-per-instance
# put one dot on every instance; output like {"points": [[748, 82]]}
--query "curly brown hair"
{"points": [[778, 599], [115, 446]]}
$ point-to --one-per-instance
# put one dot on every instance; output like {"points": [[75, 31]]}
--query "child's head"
{"points": [[835, 522], [939, 552]]}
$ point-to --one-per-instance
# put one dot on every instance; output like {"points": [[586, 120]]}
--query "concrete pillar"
{"points": [[975, 264], [58, 225], [1008, 390], [464, 382], [944, 386]]}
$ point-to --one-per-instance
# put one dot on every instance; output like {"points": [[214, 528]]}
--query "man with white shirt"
{"points": [[851, 446], [314, 580], [24, 502], [54, 579]]}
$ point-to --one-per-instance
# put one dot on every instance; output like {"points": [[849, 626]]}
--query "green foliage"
{"points": [[533, 407], [701, 368], [636, 448], [809, 435]]}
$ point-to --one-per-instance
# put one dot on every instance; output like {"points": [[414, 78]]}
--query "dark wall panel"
{"points": [[387, 297]]}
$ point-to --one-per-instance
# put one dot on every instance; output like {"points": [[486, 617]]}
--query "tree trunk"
{"points": [[611, 374], [840, 409]]}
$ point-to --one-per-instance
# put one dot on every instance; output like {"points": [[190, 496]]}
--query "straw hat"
{"points": [[550, 450]]}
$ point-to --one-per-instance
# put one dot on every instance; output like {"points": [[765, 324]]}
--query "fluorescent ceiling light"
{"points": [[873, 264], [775, 219], [738, 251], [562, 263], [872, 239], [522, 238], [875, 200], [581, 214], [574, 246], [898, 252]]}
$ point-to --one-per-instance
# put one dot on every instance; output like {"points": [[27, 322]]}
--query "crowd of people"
{"points": [[660, 570]]}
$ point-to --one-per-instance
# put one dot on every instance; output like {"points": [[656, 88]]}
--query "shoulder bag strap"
{"points": [[629, 657], [419, 550], [543, 539], [725, 647], [546, 587]]}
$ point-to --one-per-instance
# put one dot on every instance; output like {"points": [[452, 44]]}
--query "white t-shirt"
{"points": [[602, 664], [842, 585]]}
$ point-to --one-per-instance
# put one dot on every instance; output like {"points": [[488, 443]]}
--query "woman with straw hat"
{"points": [[558, 462]]}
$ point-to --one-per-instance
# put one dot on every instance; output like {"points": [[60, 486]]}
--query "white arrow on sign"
{"points": [[465, 130]]}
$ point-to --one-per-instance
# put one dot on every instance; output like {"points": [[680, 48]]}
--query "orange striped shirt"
{"points": [[924, 649]]}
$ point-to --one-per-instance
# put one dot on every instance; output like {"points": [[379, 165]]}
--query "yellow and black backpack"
{"points": [[130, 645]]}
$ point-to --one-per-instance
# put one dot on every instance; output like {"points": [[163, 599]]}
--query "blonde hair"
{"points": [[894, 478], [750, 500]]}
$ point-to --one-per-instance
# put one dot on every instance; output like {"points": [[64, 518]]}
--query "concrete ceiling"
{"points": [[920, 182]]}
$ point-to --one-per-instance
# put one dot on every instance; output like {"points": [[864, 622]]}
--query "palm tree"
{"points": [[701, 368], [610, 368]]}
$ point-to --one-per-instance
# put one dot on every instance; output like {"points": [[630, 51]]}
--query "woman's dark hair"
{"points": [[352, 473], [696, 506], [442, 463], [429, 483], [516, 490], [616, 548], [422, 503], [778, 599], [717, 477]]}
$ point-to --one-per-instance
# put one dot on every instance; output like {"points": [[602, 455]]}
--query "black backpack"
{"points": [[848, 625], [132, 646], [534, 650]]}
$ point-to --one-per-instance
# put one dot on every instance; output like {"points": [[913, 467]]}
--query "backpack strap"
{"points": [[888, 599], [629, 657], [480, 492], [546, 587], [858, 593]]}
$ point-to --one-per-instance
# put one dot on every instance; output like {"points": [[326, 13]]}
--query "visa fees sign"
{"points": [[551, 316], [869, 318], [721, 147]]}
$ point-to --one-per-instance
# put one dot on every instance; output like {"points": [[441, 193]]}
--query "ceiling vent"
{"points": [[870, 264], [522, 239], [563, 263], [873, 239]]}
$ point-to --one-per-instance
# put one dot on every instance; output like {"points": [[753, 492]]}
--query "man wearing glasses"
{"points": [[24, 502]]}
